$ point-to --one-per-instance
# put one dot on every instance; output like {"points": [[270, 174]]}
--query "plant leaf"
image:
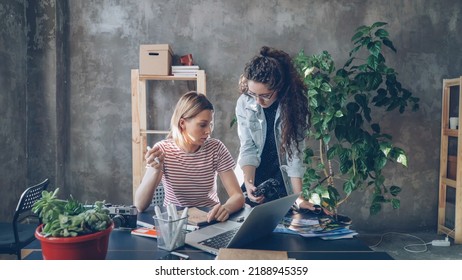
{"points": [[380, 163], [233, 121], [381, 33], [389, 44], [395, 190], [375, 127], [372, 62], [378, 24], [348, 187], [395, 203], [374, 47], [360, 32], [402, 158], [375, 208]]}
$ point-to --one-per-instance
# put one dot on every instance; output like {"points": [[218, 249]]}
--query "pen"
{"points": [[157, 211], [156, 159], [170, 224], [162, 227], [179, 228], [180, 255], [173, 211], [143, 224]]}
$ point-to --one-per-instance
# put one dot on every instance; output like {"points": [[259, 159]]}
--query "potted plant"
{"points": [[69, 230], [353, 150]]}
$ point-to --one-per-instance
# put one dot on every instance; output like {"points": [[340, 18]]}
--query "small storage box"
{"points": [[155, 59]]}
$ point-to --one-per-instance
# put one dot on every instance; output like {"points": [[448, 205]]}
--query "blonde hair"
{"points": [[188, 107]]}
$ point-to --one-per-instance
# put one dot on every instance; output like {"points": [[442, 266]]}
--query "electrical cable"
{"points": [[447, 234], [407, 247]]}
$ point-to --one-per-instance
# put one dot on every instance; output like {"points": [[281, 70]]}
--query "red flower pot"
{"points": [[85, 247]]}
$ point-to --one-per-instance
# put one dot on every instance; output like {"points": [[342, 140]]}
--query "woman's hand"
{"points": [[154, 158], [250, 187], [218, 213], [304, 204], [151, 178]]}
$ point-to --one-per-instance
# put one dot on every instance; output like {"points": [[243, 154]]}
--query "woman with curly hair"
{"points": [[273, 118]]}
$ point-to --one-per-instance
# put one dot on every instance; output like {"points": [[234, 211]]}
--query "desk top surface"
{"points": [[124, 245]]}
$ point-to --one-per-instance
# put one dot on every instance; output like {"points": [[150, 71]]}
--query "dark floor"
{"points": [[409, 245]]}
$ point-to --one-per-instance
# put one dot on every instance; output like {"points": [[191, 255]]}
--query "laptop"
{"points": [[261, 221]]}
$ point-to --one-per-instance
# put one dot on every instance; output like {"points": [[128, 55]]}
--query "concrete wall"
{"points": [[13, 79], [78, 93]]}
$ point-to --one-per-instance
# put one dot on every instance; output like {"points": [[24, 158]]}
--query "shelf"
{"points": [[451, 132], [448, 182], [169, 78], [154, 131], [450, 189]]}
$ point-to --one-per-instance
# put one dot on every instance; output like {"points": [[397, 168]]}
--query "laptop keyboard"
{"points": [[221, 240]]}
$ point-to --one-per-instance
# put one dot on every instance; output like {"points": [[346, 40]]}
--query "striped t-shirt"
{"points": [[189, 179]]}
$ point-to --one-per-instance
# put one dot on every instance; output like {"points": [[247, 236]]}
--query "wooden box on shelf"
{"points": [[155, 59]]}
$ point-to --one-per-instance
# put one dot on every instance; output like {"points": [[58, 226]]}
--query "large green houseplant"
{"points": [[353, 151]]}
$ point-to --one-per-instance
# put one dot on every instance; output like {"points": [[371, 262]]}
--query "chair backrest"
{"points": [[23, 212], [158, 198], [29, 197]]}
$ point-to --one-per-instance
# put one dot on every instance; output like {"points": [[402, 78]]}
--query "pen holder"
{"points": [[171, 232]]}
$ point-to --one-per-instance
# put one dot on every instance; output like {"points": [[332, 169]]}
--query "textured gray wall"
{"points": [[80, 54], [13, 80]]}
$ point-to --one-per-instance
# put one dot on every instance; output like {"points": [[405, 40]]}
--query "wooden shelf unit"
{"points": [[139, 118], [451, 90]]}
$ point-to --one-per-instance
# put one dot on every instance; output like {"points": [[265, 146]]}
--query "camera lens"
{"points": [[118, 220]]}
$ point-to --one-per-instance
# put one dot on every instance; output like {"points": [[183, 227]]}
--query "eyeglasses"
{"points": [[266, 96]]}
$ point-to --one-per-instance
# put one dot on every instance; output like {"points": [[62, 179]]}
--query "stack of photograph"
{"points": [[185, 71], [326, 227]]}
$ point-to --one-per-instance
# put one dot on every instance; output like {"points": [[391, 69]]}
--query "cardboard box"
{"points": [[155, 59], [250, 254]]}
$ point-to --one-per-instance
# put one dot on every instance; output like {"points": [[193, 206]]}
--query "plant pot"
{"points": [[85, 247]]}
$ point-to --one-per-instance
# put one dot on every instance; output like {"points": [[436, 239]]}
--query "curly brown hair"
{"points": [[275, 69]]}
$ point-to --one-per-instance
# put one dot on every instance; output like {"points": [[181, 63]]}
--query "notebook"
{"points": [[197, 217], [261, 221], [146, 232]]}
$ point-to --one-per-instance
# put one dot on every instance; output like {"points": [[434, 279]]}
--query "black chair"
{"points": [[20, 232]]}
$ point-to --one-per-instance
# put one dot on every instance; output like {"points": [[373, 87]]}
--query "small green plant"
{"points": [[68, 218], [340, 104]]}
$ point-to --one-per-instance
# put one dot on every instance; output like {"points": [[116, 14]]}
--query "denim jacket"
{"points": [[252, 135]]}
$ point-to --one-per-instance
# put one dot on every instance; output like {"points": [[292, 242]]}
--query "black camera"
{"points": [[268, 188], [123, 216]]}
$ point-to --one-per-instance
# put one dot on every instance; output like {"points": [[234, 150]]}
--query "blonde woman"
{"points": [[188, 161]]}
